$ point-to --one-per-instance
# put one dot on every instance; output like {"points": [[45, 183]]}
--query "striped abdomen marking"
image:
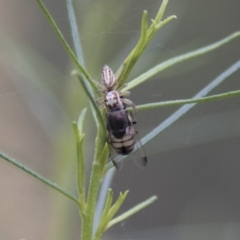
{"points": [[123, 145], [108, 78]]}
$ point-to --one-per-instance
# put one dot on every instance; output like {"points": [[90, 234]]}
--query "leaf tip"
{"points": [[126, 192], [237, 33], [154, 197], [74, 72]]}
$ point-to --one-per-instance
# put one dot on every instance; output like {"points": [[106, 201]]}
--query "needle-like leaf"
{"points": [[38, 176], [186, 101], [81, 170], [178, 59], [132, 211]]}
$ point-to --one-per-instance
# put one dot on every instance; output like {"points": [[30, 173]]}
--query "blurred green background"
{"points": [[193, 165]]}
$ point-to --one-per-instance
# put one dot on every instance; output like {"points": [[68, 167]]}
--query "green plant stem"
{"points": [[97, 173], [101, 150], [39, 177], [185, 101], [88, 220]]}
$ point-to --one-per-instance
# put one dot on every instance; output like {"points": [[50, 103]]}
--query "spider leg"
{"points": [[129, 103], [125, 93], [100, 101], [132, 118]]}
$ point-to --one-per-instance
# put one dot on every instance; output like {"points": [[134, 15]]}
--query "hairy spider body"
{"points": [[113, 99]]}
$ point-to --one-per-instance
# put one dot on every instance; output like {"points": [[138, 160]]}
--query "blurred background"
{"points": [[193, 165]]}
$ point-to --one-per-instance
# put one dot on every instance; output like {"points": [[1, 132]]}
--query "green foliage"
{"points": [[87, 200]]}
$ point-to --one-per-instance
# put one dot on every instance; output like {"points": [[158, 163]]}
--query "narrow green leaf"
{"points": [[114, 209], [186, 101], [165, 21], [66, 45], [129, 62], [105, 185], [156, 23], [74, 32], [145, 38], [81, 170], [38, 176], [132, 211], [144, 26], [107, 205], [162, 66], [86, 78], [80, 121], [160, 13]]}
